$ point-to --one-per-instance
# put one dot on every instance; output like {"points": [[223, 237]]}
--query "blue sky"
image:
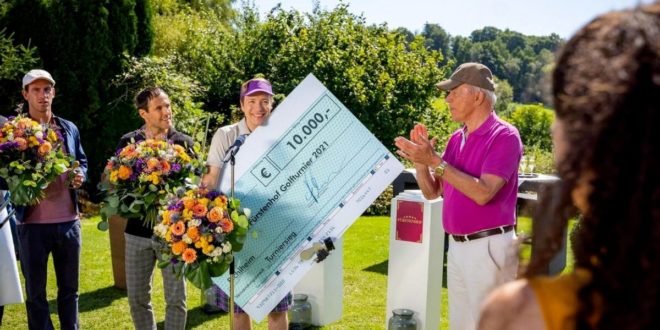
{"points": [[461, 17]]}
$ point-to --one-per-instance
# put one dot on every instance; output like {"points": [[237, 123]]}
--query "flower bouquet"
{"points": [[198, 233], [31, 157], [139, 177]]}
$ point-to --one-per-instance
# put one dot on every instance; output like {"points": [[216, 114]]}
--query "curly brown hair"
{"points": [[606, 89]]}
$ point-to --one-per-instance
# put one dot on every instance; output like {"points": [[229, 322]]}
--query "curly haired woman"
{"points": [[607, 141]]}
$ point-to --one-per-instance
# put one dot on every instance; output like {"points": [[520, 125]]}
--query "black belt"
{"points": [[482, 234]]}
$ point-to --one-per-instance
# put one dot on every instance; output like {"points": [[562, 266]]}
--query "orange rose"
{"points": [[128, 151], [188, 203], [125, 172], [19, 132], [24, 123], [189, 255], [22, 143], [199, 210], [178, 228], [227, 225], [45, 148], [179, 247], [152, 163], [215, 214], [193, 233], [165, 165]]}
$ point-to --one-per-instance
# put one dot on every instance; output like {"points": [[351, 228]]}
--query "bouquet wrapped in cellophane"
{"points": [[31, 157], [198, 233], [137, 180]]}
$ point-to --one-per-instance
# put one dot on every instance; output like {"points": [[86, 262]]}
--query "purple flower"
{"points": [[8, 145], [139, 165], [176, 167], [59, 135], [177, 206], [213, 194]]}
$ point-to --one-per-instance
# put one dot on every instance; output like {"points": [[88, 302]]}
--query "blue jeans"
{"points": [[36, 242]]}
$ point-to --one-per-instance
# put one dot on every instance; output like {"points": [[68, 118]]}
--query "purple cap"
{"points": [[255, 86]]}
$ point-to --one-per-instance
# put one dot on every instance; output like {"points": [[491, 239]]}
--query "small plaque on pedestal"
{"points": [[409, 221]]}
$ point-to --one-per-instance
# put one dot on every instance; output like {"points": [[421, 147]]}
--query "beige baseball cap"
{"points": [[475, 74], [37, 74]]}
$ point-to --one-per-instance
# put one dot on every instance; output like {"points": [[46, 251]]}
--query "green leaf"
{"points": [[113, 201], [199, 276], [242, 221], [103, 226], [218, 268]]}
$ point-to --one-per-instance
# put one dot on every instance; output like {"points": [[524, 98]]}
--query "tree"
{"points": [[533, 122], [437, 39], [504, 94], [80, 43], [15, 60], [386, 82]]}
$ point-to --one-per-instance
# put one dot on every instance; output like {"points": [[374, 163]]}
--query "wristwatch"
{"points": [[440, 170]]}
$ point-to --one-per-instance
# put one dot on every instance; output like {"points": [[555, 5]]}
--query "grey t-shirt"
{"points": [[223, 138]]}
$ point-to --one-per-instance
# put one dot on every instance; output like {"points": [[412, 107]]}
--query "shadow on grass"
{"points": [[380, 268], [90, 301], [196, 316]]}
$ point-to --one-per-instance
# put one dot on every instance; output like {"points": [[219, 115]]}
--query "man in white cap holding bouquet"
{"points": [[52, 226]]}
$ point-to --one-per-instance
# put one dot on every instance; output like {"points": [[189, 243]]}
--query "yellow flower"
{"points": [[187, 214], [208, 249], [220, 201], [166, 217], [52, 137], [154, 177], [114, 176], [204, 201]]}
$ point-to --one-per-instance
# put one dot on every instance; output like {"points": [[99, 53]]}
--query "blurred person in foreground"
{"points": [[605, 87]]}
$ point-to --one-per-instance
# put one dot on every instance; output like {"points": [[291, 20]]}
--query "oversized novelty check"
{"points": [[306, 175]]}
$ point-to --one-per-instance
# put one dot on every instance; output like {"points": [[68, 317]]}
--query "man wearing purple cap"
{"points": [[256, 104], [478, 177]]}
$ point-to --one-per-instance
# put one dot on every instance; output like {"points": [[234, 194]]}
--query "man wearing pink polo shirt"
{"points": [[477, 176]]}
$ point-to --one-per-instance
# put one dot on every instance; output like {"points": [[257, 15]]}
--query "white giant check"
{"points": [[306, 174]]}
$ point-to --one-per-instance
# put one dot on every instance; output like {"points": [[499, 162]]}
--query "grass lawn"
{"points": [[102, 306]]}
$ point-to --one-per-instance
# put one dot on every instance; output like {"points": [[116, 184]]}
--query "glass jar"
{"points": [[402, 319], [300, 314]]}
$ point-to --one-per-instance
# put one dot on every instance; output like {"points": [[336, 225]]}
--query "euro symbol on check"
{"points": [[265, 173]]}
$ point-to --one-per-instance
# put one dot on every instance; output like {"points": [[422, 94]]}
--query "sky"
{"points": [[461, 17]]}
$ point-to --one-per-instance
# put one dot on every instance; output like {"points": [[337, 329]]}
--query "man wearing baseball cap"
{"points": [[256, 97], [477, 175], [53, 225]]}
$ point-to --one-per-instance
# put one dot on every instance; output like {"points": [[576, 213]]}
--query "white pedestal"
{"points": [[414, 274], [324, 286]]}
